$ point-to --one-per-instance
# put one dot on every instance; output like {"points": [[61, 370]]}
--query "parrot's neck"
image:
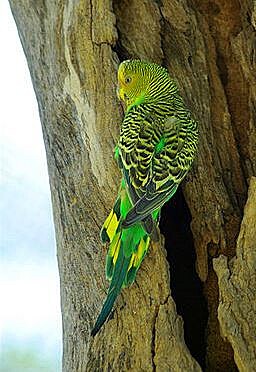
{"points": [[154, 94], [139, 100]]}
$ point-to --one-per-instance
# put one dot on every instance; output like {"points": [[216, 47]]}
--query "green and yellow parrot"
{"points": [[156, 148]]}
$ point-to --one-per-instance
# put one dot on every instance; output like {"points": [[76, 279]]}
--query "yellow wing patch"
{"points": [[110, 226]]}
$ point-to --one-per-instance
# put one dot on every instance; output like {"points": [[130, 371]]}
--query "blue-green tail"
{"points": [[127, 248], [126, 252], [120, 271]]}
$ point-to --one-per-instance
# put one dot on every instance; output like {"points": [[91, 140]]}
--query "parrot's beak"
{"points": [[120, 96], [120, 93]]}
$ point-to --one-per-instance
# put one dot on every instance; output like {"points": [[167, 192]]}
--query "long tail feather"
{"points": [[127, 248], [119, 275]]}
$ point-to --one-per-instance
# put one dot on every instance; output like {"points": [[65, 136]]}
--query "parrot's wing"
{"points": [[168, 166], [148, 204], [147, 222], [139, 134]]}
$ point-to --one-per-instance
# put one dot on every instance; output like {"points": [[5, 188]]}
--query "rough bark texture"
{"points": [[73, 49], [237, 284]]}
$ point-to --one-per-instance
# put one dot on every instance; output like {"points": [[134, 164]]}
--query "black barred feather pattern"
{"points": [[160, 116]]}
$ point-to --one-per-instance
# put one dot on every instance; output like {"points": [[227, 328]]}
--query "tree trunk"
{"points": [[73, 50]]}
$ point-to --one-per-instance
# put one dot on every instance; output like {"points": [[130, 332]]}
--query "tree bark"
{"points": [[73, 50], [237, 283]]}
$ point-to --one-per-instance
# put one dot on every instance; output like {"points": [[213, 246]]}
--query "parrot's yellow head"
{"points": [[140, 81]]}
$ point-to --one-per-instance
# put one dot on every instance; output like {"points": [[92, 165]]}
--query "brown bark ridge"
{"points": [[237, 286], [73, 50]]}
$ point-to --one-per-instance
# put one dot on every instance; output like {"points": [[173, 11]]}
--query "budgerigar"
{"points": [[157, 145]]}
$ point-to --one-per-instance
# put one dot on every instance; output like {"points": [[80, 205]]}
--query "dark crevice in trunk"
{"points": [[120, 50], [186, 287]]}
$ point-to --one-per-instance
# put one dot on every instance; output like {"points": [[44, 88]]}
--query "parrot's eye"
{"points": [[128, 79]]}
